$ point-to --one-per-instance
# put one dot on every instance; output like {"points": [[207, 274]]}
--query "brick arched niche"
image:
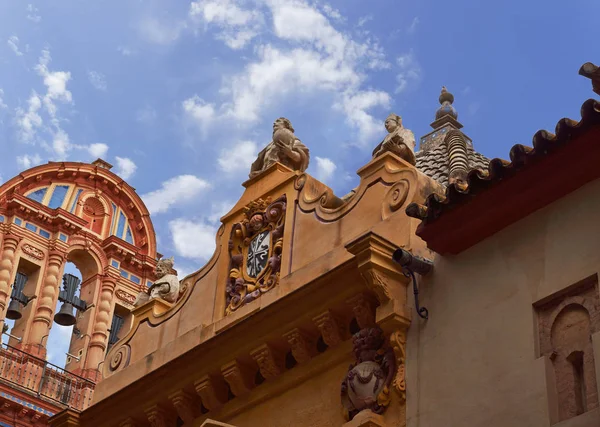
{"points": [[566, 324]]}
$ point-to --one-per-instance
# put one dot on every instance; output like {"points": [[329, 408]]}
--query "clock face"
{"points": [[258, 254]]}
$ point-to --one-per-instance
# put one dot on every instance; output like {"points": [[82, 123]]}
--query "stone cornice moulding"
{"points": [[388, 169]]}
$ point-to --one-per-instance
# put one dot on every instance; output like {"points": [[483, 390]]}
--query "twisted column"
{"points": [[99, 340], [48, 295], [7, 263], [458, 157]]}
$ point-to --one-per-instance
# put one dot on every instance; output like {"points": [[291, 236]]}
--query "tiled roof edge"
{"points": [[543, 143]]}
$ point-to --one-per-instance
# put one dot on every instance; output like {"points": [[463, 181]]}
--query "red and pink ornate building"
{"points": [[50, 215]]}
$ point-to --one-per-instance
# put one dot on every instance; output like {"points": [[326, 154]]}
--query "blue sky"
{"points": [[180, 96]]}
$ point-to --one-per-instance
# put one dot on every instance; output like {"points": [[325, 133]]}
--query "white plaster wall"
{"points": [[474, 362]]}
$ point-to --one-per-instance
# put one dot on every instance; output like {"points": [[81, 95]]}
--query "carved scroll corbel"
{"points": [[239, 377], [373, 255], [183, 403], [270, 361], [212, 390]]}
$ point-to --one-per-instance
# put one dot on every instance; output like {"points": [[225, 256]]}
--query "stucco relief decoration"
{"points": [[367, 384], [124, 296], [255, 247], [33, 251], [120, 358]]}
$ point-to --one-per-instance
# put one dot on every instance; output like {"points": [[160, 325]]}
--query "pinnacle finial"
{"points": [[446, 99], [446, 96]]}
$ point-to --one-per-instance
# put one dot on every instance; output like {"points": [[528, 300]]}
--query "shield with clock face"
{"points": [[258, 254]]}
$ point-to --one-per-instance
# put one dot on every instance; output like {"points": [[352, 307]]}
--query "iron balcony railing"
{"points": [[45, 379]]}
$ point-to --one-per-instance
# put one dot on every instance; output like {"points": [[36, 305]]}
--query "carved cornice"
{"points": [[373, 254], [303, 344], [239, 377], [270, 360], [184, 404], [388, 169], [363, 309], [331, 328], [159, 416], [212, 390], [129, 422]]}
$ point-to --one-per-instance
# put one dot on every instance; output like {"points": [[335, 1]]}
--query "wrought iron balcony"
{"points": [[44, 379]]}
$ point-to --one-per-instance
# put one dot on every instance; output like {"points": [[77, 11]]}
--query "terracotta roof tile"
{"points": [[498, 169], [434, 163]]}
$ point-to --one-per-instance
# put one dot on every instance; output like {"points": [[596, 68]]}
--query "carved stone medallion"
{"points": [[255, 247], [33, 251]]}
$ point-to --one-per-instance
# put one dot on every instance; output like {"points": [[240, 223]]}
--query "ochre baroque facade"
{"points": [[49, 215], [458, 292]]}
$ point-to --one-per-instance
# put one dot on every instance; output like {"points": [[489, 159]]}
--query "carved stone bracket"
{"points": [[212, 390], [270, 361], [374, 257], [331, 328], [302, 343], [159, 416], [129, 422], [363, 309], [184, 405], [239, 377]]}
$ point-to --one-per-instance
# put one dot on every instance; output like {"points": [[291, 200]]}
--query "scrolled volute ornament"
{"points": [[120, 358], [367, 383]]}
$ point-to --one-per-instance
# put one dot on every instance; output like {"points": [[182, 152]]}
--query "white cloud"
{"points": [[56, 84], [98, 150], [33, 13], [201, 112], [238, 158], [325, 169], [60, 143], [124, 50], [2, 104], [193, 239], [176, 190], [162, 33], [320, 59], [364, 19], [13, 44], [409, 72], [237, 26], [355, 106], [27, 161], [30, 120], [98, 80], [125, 167], [413, 25], [333, 13]]}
